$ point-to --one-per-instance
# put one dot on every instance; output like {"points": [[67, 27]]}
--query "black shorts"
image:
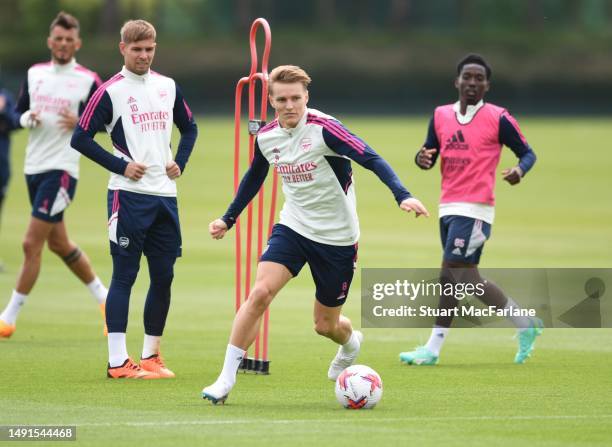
{"points": [[143, 223], [331, 266]]}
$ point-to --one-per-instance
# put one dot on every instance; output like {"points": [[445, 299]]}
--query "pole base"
{"points": [[255, 366]]}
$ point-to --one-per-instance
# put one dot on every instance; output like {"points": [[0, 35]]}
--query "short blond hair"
{"points": [[135, 30], [288, 74]]}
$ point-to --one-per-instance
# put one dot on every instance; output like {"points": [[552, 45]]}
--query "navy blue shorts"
{"points": [[463, 238], [143, 223], [50, 194], [331, 266]]}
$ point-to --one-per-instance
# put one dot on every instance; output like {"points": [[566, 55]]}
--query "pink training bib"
{"points": [[469, 154]]}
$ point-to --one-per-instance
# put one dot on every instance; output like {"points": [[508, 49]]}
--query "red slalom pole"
{"points": [[258, 364]]}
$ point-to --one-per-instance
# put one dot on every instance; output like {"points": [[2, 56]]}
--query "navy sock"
{"points": [[125, 270], [161, 272]]}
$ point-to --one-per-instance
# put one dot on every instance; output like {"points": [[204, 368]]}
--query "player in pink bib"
{"points": [[468, 137]]}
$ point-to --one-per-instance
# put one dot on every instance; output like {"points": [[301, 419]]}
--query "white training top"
{"points": [[318, 204], [49, 89], [140, 127], [313, 160]]}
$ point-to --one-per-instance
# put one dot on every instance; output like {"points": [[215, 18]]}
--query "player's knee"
{"points": [[260, 297], [324, 327], [31, 248], [162, 281], [125, 278]]}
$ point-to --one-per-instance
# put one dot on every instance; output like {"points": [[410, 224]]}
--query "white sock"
{"points": [[98, 290], [12, 309], [233, 358], [520, 322], [150, 346], [351, 345], [436, 339], [117, 349]]}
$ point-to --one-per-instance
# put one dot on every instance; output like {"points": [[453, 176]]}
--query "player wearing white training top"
{"points": [[137, 107], [52, 97], [318, 224]]}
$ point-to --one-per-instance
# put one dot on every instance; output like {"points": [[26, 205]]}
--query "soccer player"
{"points": [[137, 107], [468, 136], [7, 124], [52, 96], [318, 225]]}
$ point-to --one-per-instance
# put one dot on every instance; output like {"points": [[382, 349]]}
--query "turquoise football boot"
{"points": [[420, 356], [526, 340]]}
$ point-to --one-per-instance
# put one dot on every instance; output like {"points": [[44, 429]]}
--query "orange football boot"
{"points": [[156, 365], [129, 370], [6, 330]]}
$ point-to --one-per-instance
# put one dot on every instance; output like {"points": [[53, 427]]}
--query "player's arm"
{"points": [[427, 156], [249, 187], [343, 142], [510, 135], [9, 119], [184, 121], [97, 114], [24, 117]]}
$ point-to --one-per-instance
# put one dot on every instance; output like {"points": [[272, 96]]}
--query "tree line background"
{"points": [[395, 56]]}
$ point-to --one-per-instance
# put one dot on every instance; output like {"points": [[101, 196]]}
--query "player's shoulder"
{"points": [[161, 78], [316, 118], [39, 67], [494, 109], [111, 87], [88, 74], [266, 131], [445, 109], [314, 114]]}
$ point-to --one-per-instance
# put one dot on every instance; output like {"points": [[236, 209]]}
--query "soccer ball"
{"points": [[358, 387]]}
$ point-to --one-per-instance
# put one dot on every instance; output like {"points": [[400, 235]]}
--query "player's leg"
{"points": [[120, 365], [282, 260], [271, 278], [157, 304], [332, 268], [162, 246], [42, 189], [77, 261], [127, 227], [330, 323], [462, 240], [33, 244]]}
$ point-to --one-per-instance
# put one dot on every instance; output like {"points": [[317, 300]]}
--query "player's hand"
{"points": [[217, 229], [135, 171], [415, 205], [172, 170], [29, 119], [2, 103], [425, 157], [68, 120], [513, 175]]}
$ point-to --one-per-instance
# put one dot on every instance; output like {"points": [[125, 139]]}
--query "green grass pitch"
{"points": [[53, 368]]}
